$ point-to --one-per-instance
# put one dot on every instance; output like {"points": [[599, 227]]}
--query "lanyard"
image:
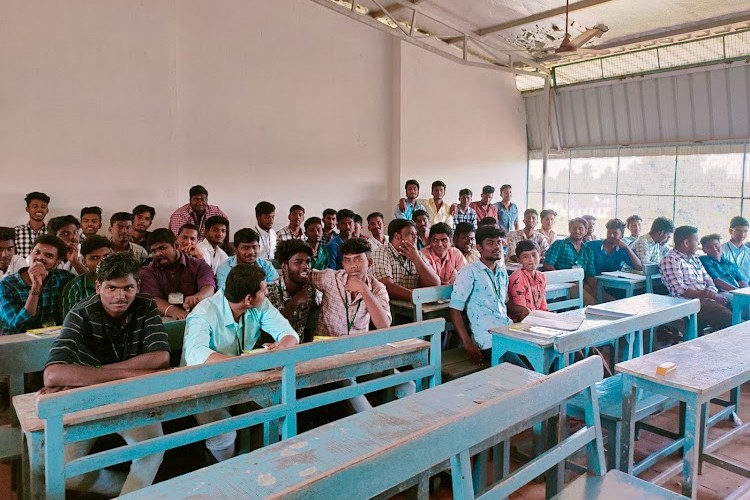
{"points": [[241, 346], [734, 253], [345, 299], [404, 264]]}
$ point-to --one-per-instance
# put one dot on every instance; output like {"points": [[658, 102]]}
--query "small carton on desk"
{"points": [[665, 368]]}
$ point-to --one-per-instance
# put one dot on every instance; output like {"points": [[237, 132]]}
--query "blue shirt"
{"points": [[210, 327], [607, 262], [724, 270], [482, 293], [740, 257], [506, 218], [334, 253], [406, 214], [223, 271]]}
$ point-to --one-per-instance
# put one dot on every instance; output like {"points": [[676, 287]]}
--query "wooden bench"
{"points": [[270, 379], [366, 454], [560, 284]]}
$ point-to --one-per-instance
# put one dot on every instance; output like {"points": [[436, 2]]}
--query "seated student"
{"points": [[115, 334], [530, 220], [210, 248], [481, 290], [66, 228], [572, 252], [37, 206], [463, 211], [410, 203], [463, 240], [292, 293], [547, 217], [314, 235], [612, 254], [143, 217], [527, 287], [651, 247], [725, 273], [357, 232], [345, 222], [484, 207], [91, 221], [422, 222], [488, 221], [376, 225], [247, 248], [735, 249], [10, 261], [445, 260], [684, 276], [590, 227], [329, 226], [634, 226], [32, 297], [399, 265], [195, 212], [507, 211], [225, 325], [187, 241], [294, 230], [94, 249], [176, 282], [265, 213], [119, 231]]}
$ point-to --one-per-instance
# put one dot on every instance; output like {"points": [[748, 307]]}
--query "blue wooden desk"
{"points": [[630, 287], [706, 368], [740, 301]]}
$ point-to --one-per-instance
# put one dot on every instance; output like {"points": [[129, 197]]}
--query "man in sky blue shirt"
{"points": [[345, 223], [407, 206], [246, 247], [735, 249]]}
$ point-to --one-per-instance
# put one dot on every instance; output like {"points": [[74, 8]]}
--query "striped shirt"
{"points": [[25, 237], [13, 294], [79, 288], [89, 337]]}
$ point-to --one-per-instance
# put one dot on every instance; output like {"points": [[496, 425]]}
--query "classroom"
{"points": [[374, 249]]}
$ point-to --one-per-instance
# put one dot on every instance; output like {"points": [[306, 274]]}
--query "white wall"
{"points": [[120, 102]]}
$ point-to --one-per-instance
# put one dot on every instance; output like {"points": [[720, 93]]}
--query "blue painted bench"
{"points": [[271, 379], [560, 284], [371, 452]]}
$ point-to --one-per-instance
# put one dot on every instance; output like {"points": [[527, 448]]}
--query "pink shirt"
{"points": [[527, 290], [446, 267], [481, 212]]}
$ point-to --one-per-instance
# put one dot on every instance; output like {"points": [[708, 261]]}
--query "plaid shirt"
{"points": [[647, 250], [563, 255], [285, 234], [25, 237], [388, 263], [279, 296], [79, 288], [13, 295], [680, 272], [515, 237], [186, 215], [469, 216]]}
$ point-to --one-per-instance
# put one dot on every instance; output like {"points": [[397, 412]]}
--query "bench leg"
{"points": [[479, 470], [461, 476], [500, 461]]}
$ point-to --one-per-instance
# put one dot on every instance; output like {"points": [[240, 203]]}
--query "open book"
{"points": [[603, 310], [567, 322], [632, 276]]}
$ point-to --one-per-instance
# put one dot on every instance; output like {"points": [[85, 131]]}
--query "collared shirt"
{"points": [[13, 295], [187, 277], [724, 270], [423, 243], [482, 212], [482, 294], [738, 256], [267, 243], [410, 209], [647, 250], [563, 255], [228, 265], [279, 296], [551, 236], [142, 241], [333, 248], [604, 261], [446, 267], [442, 215], [286, 234], [16, 264], [138, 251], [527, 290], [214, 257], [375, 244], [507, 217], [628, 240], [210, 327], [680, 272], [186, 215], [388, 263], [320, 259], [25, 237], [79, 288], [90, 337], [514, 237], [473, 256], [327, 238], [340, 313], [470, 216]]}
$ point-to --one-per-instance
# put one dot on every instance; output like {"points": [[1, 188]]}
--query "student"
{"points": [[357, 232], [345, 222], [527, 287], [634, 226], [292, 293], [463, 211], [436, 207], [507, 211], [265, 213], [94, 249], [37, 206], [210, 248], [247, 251], [91, 221], [66, 227], [422, 222], [119, 234], [612, 254], [572, 252], [684, 276], [143, 217], [445, 260], [464, 241], [87, 353], [175, 281], [294, 230], [410, 203], [724, 273], [490, 221], [225, 325], [547, 217], [376, 225], [590, 227], [484, 207], [329, 225], [187, 241], [32, 297], [652, 246], [399, 265], [530, 220], [314, 235], [10, 261], [196, 212], [735, 249]]}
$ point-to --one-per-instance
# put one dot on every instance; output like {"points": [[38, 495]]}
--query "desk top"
{"points": [[704, 365], [741, 291]]}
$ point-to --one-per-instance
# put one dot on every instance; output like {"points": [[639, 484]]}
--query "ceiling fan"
{"points": [[575, 46]]}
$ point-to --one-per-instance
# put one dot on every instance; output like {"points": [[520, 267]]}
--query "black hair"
{"points": [[615, 224], [246, 235], [161, 235], [139, 209], [488, 221], [374, 215], [344, 213], [505, 186], [418, 213], [94, 242], [329, 211], [120, 216], [355, 246], [547, 212], [488, 232], [662, 224], [526, 246], [36, 195], [465, 192], [243, 280], [358, 219], [738, 221], [411, 182], [530, 211], [216, 219], [682, 233], [710, 237], [296, 207], [463, 227], [91, 211], [55, 223], [396, 225], [264, 208], [287, 249], [118, 265], [633, 218], [439, 184], [311, 221], [198, 190], [488, 189], [8, 233], [191, 227], [441, 228]]}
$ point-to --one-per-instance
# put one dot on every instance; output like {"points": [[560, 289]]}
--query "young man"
{"points": [[484, 207], [652, 246], [376, 225], [66, 228], [37, 206], [265, 213], [187, 241], [735, 249], [314, 235], [445, 260], [572, 252], [143, 217], [292, 293], [436, 207], [464, 241], [196, 212], [94, 249], [358, 222], [507, 211], [345, 222], [210, 248], [91, 221], [32, 297], [10, 262], [612, 254], [175, 281], [293, 231], [247, 251], [225, 325], [463, 211], [119, 231], [329, 225], [684, 276], [548, 221], [725, 273], [590, 227], [115, 334], [407, 205], [399, 265], [527, 287], [529, 232], [634, 226], [422, 222]]}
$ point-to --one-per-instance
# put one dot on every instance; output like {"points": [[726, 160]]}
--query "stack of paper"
{"points": [[603, 310], [567, 322], [626, 275]]}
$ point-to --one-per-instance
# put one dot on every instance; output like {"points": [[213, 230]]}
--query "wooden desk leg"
{"points": [[736, 310], [461, 476], [599, 291], [691, 451], [702, 440], [36, 465], [627, 437], [556, 475]]}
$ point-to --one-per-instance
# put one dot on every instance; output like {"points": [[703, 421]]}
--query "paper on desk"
{"points": [[48, 331], [626, 275], [603, 310], [567, 322], [536, 330]]}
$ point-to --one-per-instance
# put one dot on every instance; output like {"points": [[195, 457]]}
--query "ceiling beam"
{"points": [[392, 8]]}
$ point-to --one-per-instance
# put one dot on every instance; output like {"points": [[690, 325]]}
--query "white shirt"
{"points": [[16, 264], [267, 243], [375, 244], [213, 258]]}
